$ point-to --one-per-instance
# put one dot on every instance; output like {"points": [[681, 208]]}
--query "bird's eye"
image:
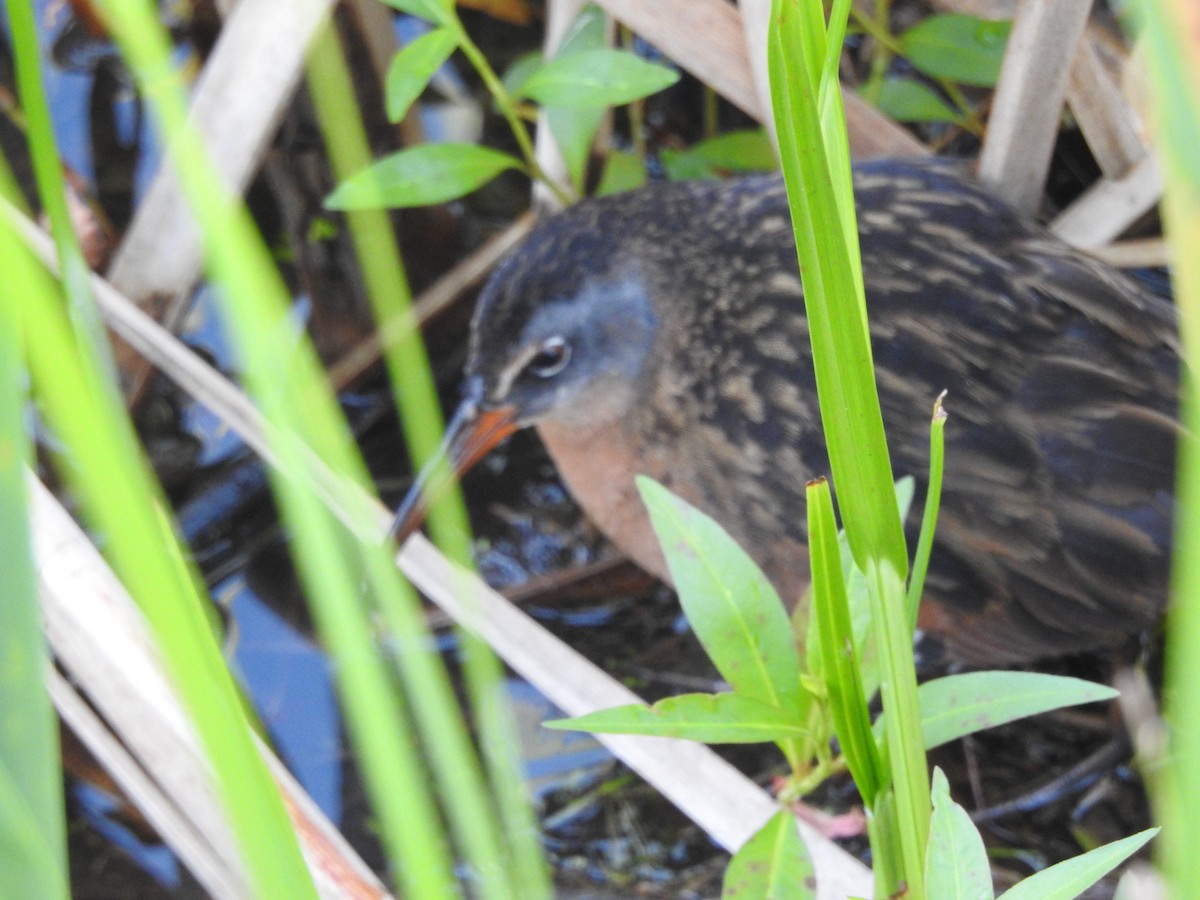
{"points": [[551, 358]]}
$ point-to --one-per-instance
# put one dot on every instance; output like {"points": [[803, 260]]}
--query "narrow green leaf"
{"points": [[772, 864], [440, 12], [958, 47], [574, 128], [958, 705], [419, 176], [726, 718], [910, 101], [859, 600], [835, 635], [956, 864], [600, 77], [734, 610], [836, 309], [1071, 877], [412, 68], [33, 862]]}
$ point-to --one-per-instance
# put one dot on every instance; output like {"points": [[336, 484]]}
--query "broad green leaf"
{"points": [[419, 176], [600, 77], [1071, 877], [835, 637], [711, 718], [622, 172], [958, 47], [734, 610], [958, 705], [956, 863], [774, 864], [910, 101], [440, 12], [735, 151], [574, 128], [413, 66]]}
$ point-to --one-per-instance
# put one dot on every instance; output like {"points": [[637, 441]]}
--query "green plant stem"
{"points": [[970, 119], [508, 109], [877, 32], [710, 112], [884, 53], [48, 171]]}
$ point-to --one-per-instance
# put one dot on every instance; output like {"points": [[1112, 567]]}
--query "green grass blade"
{"points": [[505, 840], [51, 183], [33, 859], [835, 633], [1170, 31], [104, 466], [837, 318], [280, 369], [933, 500], [813, 149]]}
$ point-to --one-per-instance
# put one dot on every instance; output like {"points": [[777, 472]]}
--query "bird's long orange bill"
{"points": [[470, 435]]}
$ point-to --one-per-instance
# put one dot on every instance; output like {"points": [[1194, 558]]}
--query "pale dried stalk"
{"points": [[146, 741], [1029, 99]]}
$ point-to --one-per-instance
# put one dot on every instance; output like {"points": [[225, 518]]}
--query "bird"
{"points": [[662, 332]]}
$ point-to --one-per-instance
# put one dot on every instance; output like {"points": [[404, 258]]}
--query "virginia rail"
{"points": [[662, 331]]}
